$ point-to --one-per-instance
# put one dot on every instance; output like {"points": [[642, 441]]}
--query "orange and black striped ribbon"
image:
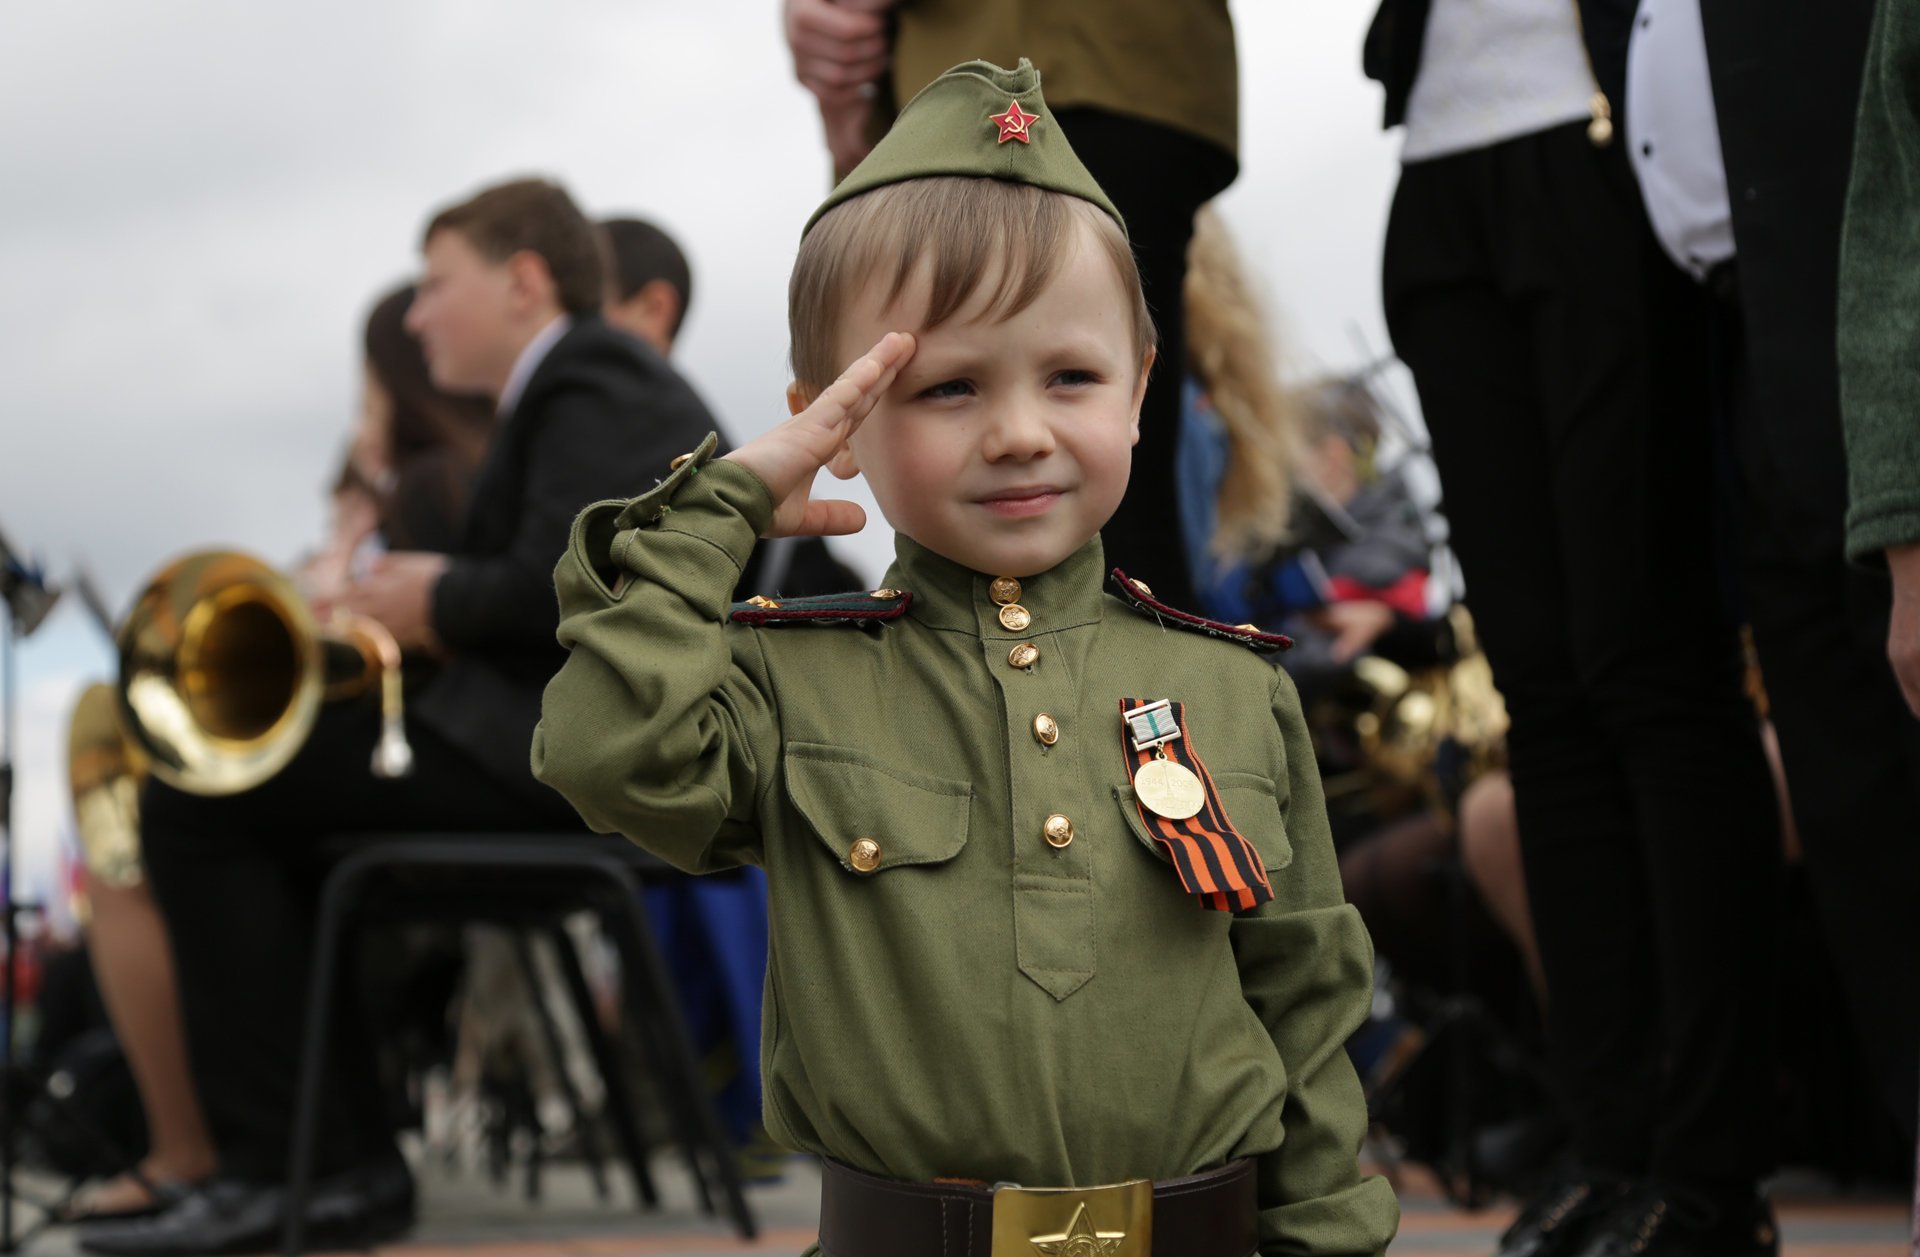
{"points": [[1214, 861]]}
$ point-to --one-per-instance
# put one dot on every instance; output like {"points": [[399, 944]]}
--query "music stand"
{"points": [[27, 598]]}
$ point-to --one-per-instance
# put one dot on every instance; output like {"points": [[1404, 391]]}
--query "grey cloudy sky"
{"points": [[201, 199]]}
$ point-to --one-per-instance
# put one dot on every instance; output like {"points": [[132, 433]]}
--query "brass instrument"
{"points": [[223, 670], [1401, 721]]}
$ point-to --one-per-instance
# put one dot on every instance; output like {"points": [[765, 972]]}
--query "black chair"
{"points": [[528, 882]]}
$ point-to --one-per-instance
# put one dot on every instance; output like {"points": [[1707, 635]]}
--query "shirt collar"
{"points": [[529, 361], [949, 596]]}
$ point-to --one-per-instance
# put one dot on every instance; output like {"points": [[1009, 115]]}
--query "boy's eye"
{"points": [[947, 389], [1075, 378]]}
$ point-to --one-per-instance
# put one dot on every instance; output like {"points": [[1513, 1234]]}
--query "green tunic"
{"points": [[981, 1004], [1879, 322]]}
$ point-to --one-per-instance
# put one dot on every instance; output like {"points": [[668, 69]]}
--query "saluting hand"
{"points": [[789, 457]]}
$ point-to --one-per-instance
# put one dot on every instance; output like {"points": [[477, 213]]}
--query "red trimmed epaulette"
{"points": [[864, 606], [1136, 595]]}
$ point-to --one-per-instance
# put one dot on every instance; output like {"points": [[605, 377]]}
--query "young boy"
{"points": [[1033, 928]]}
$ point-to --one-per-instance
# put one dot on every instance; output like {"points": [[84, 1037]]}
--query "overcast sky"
{"points": [[202, 198]]}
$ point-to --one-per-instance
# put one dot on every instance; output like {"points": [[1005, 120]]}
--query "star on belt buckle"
{"points": [[1112, 1221]]}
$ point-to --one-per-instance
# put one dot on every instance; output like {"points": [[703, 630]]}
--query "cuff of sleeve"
{"points": [[719, 502], [1877, 523]]}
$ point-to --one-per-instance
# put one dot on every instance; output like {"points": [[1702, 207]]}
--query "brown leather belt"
{"points": [[1214, 1214]]}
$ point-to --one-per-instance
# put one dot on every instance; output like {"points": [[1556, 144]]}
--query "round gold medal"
{"points": [[1167, 789]]}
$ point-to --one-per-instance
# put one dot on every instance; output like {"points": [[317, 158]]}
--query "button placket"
{"points": [[1049, 828]]}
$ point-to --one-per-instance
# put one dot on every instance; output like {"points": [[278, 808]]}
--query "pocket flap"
{"points": [[846, 795]]}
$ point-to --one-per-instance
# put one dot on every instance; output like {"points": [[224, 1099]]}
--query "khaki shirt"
{"points": [[1168, 61], [980, 1005]]}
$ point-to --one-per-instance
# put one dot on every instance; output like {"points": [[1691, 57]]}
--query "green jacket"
{"points": [[980, 1004], [1879, 332], [1168, 61]]}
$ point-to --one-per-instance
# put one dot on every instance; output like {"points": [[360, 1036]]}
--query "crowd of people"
{"points": [[1619, 261]]}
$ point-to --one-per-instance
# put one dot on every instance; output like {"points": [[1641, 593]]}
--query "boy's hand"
{"points": [[789, 457]]}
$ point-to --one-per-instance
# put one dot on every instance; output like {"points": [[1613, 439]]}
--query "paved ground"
{"points": [[464, 1215]]}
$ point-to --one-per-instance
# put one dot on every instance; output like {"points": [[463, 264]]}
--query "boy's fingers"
{"points": [[829, 517], [853, 394]]}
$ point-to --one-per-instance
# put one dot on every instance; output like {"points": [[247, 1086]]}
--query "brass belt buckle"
{"points": [[1114, 1221]]}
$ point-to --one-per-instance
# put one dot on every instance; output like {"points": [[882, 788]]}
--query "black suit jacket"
{"points": [[1392, 52], [1786, 88], [601, 417]]}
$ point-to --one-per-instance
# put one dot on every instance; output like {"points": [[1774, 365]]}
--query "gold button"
{"points": [[1015, 617], [1143, 588], [864, 855], [763, 602], [1004, 590], [1025, 655], [884, 593], [1058, 831], [1248, 628], [678, 462], [1046, 729]]}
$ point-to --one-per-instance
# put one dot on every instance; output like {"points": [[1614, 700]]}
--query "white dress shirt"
{"points": [[1493, 70], [528, 362], [1673, 136]]}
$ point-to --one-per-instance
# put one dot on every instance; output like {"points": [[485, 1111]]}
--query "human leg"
{"points": [[1157, 177]]}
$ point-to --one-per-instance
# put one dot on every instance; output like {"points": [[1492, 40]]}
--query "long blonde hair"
{"points": [[1229, 348]]}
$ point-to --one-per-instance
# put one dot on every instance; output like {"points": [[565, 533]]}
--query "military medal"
{"points": [[1168, 790], [1181, 810], [1164, 787]]}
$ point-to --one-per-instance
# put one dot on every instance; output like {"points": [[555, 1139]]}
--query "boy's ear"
{"points": [[798, 399], [1140, 389], [844, 464]]}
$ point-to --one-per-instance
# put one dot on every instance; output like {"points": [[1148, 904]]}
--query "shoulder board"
{"points": [[862, 606], [1136, 595]]}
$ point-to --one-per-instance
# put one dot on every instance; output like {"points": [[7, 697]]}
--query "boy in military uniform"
{"points": [[1059, 962]]}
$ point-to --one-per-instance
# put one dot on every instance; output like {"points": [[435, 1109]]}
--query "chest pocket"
{"points": [[873, 818], [1252, 805]]}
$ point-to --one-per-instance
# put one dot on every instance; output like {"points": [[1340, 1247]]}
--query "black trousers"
{"points": [[1560, 364], [237, 879], [1157, 177], [1850, 746]]}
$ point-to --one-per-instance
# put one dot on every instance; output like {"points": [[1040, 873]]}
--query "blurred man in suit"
{"points": [[509, 305]]}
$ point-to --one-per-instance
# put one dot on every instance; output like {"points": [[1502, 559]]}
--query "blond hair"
{"points": [[1229, 349], [966, 232]]}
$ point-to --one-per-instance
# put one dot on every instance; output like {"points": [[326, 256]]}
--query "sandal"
{"points": [[124, 1198]]}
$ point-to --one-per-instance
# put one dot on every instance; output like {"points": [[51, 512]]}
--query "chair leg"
{"points": [[556, 1052], [619, 1106], [313, 1056], [652, 990]]}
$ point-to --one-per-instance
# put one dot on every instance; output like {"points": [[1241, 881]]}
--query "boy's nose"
{"points": [[1019, 431]]}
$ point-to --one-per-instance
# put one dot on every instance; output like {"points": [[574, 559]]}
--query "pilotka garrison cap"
{"points": [[979, 120]]}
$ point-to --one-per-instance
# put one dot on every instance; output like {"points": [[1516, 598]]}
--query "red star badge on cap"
{"points": [[1013, 124]]}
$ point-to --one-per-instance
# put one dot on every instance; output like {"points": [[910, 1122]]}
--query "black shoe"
{"points": [[353, 1210], [1559, 1220], [1667, 1220]]}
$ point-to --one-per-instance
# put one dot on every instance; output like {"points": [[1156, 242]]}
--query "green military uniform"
{"points": [[981, 1003], [983, 963]]}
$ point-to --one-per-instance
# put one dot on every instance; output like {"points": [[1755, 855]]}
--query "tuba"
{"points": [[223, 670]]}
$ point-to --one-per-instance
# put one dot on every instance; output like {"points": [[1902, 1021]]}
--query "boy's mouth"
{"points": [[1022, 500]]}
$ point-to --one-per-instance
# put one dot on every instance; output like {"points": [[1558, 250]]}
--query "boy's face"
{"points": [[463, 314], [1004, 444]]}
